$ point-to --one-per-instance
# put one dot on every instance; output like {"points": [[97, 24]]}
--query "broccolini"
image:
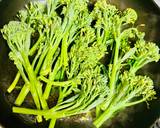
{"points": [[59, 47]]}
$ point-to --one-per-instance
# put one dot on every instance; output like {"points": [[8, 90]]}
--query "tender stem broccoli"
{"points": [[58, 49]]}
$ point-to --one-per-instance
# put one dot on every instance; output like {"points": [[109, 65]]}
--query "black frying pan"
{"points": [[139, 116]]}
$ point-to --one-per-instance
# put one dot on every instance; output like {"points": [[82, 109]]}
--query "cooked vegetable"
{"points": [[58, 48]]}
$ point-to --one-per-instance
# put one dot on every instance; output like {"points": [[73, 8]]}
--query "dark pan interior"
{"points": [[140, 116]]}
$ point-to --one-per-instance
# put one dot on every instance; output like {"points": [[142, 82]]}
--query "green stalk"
{"points": [[112, 82], [52, 123], [35, 84], [103, 117], [60, 97], [115, 68], [29, 111], [98, 111], [51, 78], [41, 59], [46, 67], [61, 106], [61, 77], [115, 107], [37, 56], [32, 80], [35, 46], [135, 102], [21, 71], [121, 93], [64, 57], [57, 83], [14, 83], [24, 91]]}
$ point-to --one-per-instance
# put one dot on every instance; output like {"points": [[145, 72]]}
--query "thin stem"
{"points": [[98, 111], [56, 83], [35, 46], [29, 111], [22, 95], [51, 78], [46, 67], [35, 84], [52, 123], [135, 102], [103, 117], [115, 67], [41, 59], [14, 83], [30, 73], [108, 113], [64, 57]]}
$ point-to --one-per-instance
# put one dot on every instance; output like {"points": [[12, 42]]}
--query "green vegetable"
{"points": [[58, 48]]}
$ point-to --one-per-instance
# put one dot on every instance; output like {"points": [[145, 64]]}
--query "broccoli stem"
{"points": [[56, 83], [29, 111], [24, 91], [135, 102], [32, 81], [103, 117], [115, 68], [109, 113], [51, 78], [52, 123], [35, 86], [46, 67], [36, 45], [98, 111], [14, 83], [64, 57], [41, 59]]}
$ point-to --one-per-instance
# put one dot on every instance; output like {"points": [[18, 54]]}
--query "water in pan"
{"points": [[157, 3], [156, 124]]}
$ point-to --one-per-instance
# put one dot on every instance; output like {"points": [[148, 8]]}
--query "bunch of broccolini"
{"points": [[58, 49]]}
